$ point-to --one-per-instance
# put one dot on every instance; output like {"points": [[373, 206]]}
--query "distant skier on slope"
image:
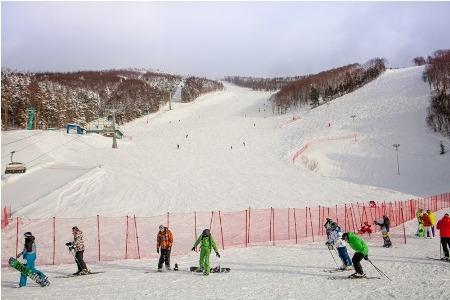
{"points": [[78, 246], [335, 240], [164, 241], [361, 251], [444, 230], [207, 243]]}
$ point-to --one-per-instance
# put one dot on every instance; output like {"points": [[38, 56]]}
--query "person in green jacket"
{"points": [[207, 243], [361, 251]]}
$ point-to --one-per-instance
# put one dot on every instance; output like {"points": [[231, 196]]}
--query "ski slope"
{"points": [[213, 170], [264, 272]]}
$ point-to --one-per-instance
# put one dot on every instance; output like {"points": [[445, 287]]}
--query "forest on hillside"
{"points": [[437, 74], [325, 86], [82, 97]]}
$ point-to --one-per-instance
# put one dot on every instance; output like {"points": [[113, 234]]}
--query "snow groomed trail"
{"points": [[213, 170]]}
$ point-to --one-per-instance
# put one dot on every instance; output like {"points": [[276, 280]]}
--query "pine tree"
{"points": [[443, 150], [314, 96]]}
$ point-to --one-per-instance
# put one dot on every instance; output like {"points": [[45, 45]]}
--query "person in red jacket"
{"points": [[427, 224], [444, 229]]}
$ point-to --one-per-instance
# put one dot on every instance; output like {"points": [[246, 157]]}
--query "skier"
{"points": [[444, 230], [78, 246], [327, 226], [427, 224], [432, 217], [164, 241], [207, 243], [335, 240], [361, 251], [29, 254]]}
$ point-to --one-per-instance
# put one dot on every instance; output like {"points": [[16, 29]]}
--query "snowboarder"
{"points": [[207, 243], [243, 143], [385, 231], [327, 226], [78, 246], [178, 146], [444, 230], [29, 254], [164, 241], [361, 251], [432, 217], [427, 224], [187, 135], [335, 240]]}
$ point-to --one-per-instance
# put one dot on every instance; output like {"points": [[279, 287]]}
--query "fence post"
{"points": [[318, 225], [403, 223], [126, 240], [137, 237], [249, 219], [210, 222], [98, 235], [345, 217], [337, 216], [54, 239], [312, 229], [17, 235], [270, 225], [295, 226], [221, 230], [195, 225], [246, 229]]}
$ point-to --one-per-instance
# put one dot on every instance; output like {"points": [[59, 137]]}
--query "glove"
{"points": [[69, 244], [366, 257], [217, 254], [157, 250], [193, 249]]}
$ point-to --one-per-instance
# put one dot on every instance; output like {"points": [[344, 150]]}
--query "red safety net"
{"points": [[131, 237]]}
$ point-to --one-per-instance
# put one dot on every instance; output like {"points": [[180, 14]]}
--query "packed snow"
{"points": [[263, 272], [227, 151], [212, 169]]}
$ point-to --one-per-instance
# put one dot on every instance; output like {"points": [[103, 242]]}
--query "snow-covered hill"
{"points": [[212, 169]]}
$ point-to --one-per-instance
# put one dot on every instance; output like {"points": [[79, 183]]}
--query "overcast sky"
{"points": [[218, 38]]}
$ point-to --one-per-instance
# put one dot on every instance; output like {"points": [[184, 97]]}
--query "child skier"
{"points": [[164, 241], [427, 224], [78, 246], [432, 217], [361, 251], [335, 240], [29, 254], [444, 229], [207, 243]]}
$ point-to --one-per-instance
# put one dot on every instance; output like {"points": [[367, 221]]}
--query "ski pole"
{"points": [[378, 270], [440, 250], [333, 258]]}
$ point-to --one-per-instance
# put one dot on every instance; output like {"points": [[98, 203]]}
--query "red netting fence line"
{"points": [[132, 237]]}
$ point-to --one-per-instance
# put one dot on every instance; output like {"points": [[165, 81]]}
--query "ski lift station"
{"points": [[75, 128]]}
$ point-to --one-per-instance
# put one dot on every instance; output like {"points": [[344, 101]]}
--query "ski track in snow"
{"points": [[262, 272]]}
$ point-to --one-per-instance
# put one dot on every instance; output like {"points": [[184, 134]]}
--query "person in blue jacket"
{"points": [[29, 254]]}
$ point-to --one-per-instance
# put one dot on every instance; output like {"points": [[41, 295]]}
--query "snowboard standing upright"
{"points": [[386, 239], [38, 277]]}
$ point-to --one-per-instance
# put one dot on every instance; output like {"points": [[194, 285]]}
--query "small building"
{"points": [[75, 128]]}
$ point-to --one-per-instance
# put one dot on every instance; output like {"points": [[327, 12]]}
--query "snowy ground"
{"points": [[148, 175], [263, 272]]}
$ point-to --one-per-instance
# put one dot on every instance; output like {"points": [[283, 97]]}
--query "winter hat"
{"points": [[206, 232], [75, 228], [333, 225], [345, 236], [161, 227], [27, 234]]}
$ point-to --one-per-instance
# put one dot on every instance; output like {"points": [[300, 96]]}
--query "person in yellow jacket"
{"points": [[432, 217]]}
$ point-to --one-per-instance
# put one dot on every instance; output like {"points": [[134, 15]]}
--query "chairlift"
{"points": [[15, 167]]}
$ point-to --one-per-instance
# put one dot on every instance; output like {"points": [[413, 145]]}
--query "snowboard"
{"points": [[421, 231], [38, 277], [71, 275], [387, 240], [351, 278], [212, 270]]}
